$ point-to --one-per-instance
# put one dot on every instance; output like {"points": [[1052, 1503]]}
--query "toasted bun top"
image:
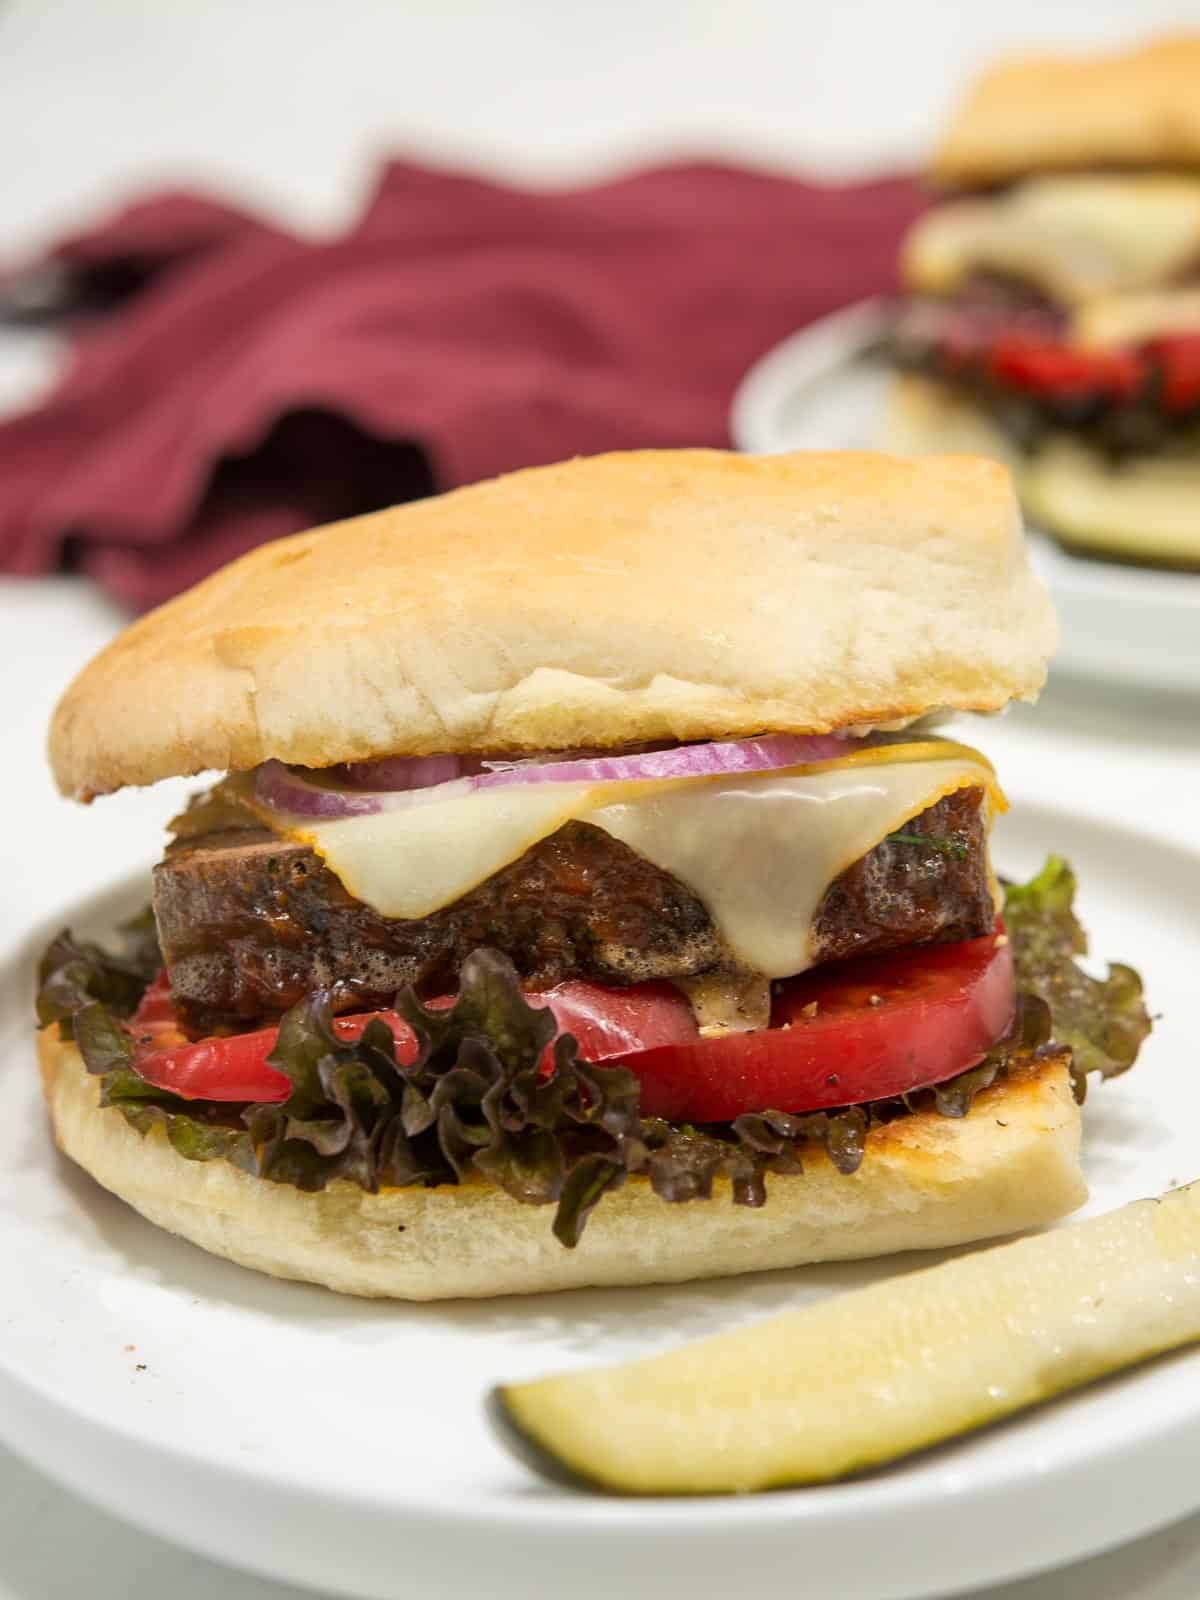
{"points": [[1135, 108], [687, 594]]}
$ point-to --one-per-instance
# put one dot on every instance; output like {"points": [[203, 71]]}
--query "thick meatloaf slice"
{"points": [[250, 923]]}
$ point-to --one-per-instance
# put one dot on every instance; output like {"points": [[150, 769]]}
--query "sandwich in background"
{"points": [[1053, 311]]}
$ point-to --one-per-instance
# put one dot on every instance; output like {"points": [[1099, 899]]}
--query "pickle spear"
{"points": [[872, 1375]]}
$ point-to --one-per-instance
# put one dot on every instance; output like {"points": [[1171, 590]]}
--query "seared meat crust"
{"points": [[250, 922]]}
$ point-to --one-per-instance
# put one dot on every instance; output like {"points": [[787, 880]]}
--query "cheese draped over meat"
{"points": [[1070, 238], [1117, 319], [759, 850]]}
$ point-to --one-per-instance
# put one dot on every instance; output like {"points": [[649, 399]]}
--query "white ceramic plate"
{"points": [[820, 390], [343, 1444]]}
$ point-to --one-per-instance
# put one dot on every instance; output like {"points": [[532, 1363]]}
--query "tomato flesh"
{"points": [[1165, 370], [853, 1031], [1044, 366], [157, 1005], [606, 1023], [1178, 357], [841, 1034]]}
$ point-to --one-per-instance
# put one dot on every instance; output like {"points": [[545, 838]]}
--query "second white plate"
{"points": [[820, 390]]}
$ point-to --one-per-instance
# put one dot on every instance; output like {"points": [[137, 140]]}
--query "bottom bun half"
{"points": [[927, 1181], [1142, 508]]}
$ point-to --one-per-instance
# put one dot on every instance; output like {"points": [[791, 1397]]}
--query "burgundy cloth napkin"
{"points": [[232, 382]]}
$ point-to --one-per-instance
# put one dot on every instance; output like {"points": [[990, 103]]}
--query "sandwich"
{"points": [[1052, 312], [586, 893]]}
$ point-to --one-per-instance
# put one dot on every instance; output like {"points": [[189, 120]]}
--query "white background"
{"points": [[286, 104]]}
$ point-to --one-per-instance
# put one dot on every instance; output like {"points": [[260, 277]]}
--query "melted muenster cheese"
{"points": [[759, 850], [1116, 319], [760, 854], [1071, 236]]}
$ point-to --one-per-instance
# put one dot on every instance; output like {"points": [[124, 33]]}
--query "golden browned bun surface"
{"points": [[689, 594], [1134, 108], [926, 1182], [1141, 508]]}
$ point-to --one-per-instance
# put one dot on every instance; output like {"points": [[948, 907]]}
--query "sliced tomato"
{"points": [[1178, 357], [1046, 367], [854, 1031], [156, 1004], [234, 1067], [617, 1024], [607, 1023]]}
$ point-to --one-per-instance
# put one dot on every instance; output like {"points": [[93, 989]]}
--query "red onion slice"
{"points": [[289, 789], [401, 773], [402, 780], [397, 773], [716, 760]]}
